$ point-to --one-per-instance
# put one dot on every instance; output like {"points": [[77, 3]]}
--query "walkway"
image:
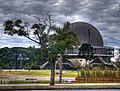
{"points": [[80, 84]]}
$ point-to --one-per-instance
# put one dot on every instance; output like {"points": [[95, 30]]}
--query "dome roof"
{"points": [[87, 33]]}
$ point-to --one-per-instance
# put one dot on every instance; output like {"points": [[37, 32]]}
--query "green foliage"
{"points": [[100, 73], [41, 56], [88, 73], [61, 40], [1, 64], [86, 50], [50, 44], [118, 64], [34, 65], [99, 76], [22, 28], [83, 73], [10, 27], [55, 44], [8, 56]]}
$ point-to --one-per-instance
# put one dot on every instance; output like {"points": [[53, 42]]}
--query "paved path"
{"points": [[81, 84], [30, 77]]}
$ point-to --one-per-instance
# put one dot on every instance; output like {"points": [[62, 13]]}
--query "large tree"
{"points": [[63, 40], [36, 32], [55, 44], [40, 34]]}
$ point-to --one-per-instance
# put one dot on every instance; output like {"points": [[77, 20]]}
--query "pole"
{"points": [[89, 35], [89, 47]]}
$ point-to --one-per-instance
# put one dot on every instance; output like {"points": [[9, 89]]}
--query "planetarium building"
{"points": [[87, 33]]}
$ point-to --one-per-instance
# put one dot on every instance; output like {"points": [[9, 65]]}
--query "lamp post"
{"points": [[89, 36], [89, 47]]}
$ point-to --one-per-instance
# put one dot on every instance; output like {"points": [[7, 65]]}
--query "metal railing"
{"points": [[97, 51]]}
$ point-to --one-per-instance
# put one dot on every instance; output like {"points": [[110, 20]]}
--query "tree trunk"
{"points": [[60, 65], [52, 78], [78, 73]]}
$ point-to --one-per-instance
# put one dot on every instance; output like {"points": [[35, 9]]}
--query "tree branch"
{"points": [[33, 40]]}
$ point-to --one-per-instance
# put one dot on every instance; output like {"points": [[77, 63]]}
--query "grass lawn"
{"points": [[38, 73], [44, 73], [6, 75], [19, 76]]}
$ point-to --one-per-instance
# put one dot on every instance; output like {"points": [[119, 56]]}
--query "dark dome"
{"points": [[87, 33]]}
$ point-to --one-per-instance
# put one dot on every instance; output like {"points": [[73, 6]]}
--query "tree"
{"points": [[34, 65], [1, 62], [6, 55], [40, 31], [86, 50], [63, 39], [55, 43]]}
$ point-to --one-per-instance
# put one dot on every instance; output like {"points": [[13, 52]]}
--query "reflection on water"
{"points": [[80, 90]]}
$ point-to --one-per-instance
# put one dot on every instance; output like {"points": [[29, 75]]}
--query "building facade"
{"points": [[87, 33]]}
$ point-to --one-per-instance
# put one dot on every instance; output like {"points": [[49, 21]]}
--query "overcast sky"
{"points": [[103, 14]]}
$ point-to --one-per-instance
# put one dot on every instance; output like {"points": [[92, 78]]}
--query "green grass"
{"points": [[39, 73], [33, 73], [28, 73], [66, 73], [69, 73]]}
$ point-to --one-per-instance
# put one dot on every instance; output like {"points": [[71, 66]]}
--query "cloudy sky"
{"points": [[103, 14]]}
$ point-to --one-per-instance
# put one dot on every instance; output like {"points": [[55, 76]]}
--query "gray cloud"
{"points": [[101, 13]]}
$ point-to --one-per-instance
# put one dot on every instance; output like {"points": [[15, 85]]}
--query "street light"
{"points": [[90, 49], [89, 36]]}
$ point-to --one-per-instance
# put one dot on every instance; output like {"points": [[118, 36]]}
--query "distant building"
{"points": [[116, 57], [117, 52]]}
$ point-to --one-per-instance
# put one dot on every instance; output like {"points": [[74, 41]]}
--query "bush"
{"points": [[34, 65], [118, 64], [83, 73]]}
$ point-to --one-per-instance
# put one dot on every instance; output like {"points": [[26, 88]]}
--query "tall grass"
{"points": [[99, 76]]}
